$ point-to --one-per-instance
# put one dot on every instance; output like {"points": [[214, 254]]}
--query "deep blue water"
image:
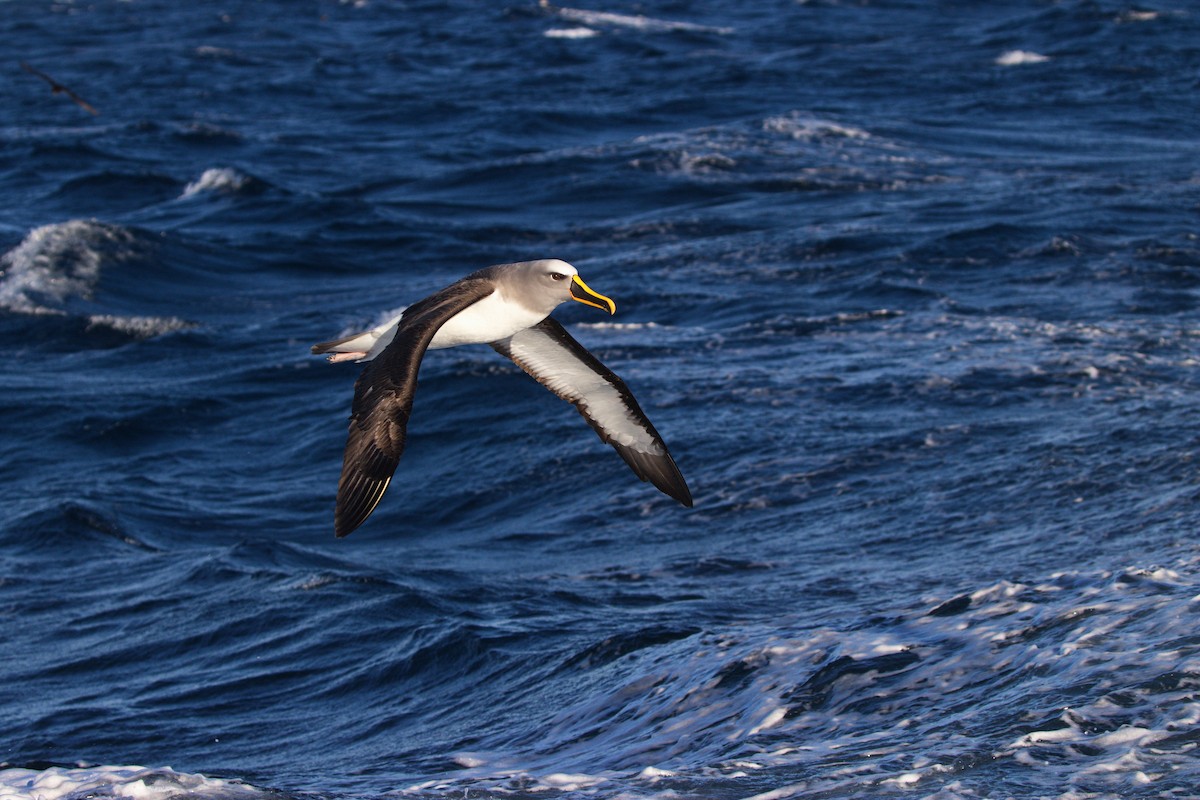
{"points": [[910, 289]]}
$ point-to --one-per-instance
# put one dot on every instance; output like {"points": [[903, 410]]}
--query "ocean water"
{"points": [[910, 289]]}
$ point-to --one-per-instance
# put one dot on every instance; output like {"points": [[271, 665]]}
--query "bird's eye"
{"points": [[558, 276]]}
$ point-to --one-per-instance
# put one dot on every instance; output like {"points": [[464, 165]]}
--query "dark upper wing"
{"points": [[553, 357], [383, 397], [56, 87]]}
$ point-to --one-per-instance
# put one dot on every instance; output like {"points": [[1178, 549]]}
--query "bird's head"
{"points": [[559, 282]]}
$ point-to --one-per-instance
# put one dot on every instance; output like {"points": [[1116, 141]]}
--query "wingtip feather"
{"points": [[659, 470], [357, 499]]}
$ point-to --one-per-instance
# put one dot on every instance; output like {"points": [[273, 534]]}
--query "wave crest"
{"points": [[220, 180], [62, 783], [59, 261], [57, 265]]}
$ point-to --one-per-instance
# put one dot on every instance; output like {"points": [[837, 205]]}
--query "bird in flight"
{"points": [[508, 307], [58, 88]]}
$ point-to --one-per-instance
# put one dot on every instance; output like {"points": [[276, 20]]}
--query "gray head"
{"points": [[543, 284]]}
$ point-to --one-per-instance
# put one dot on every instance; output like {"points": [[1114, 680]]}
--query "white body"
{"points": [[489, 320]]}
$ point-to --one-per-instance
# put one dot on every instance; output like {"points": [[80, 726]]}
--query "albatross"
{"points": [[508, 307]]}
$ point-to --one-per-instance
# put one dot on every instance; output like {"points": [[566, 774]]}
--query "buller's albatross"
{"points": [[507, 306]]}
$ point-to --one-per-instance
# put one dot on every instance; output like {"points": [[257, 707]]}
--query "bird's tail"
{"points": [[362, 346]]}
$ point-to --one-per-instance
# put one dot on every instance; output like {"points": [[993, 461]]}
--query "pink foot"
{"points": [[334, 358]]}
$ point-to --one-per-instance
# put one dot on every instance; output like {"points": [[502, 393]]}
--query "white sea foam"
{"points": [[139, 327], [791, 150], [58, 261], [619, 326], [111, 781], [802, 126], [579, 32], [635, 21], [217, 179], [1013, 58], [570, 782]]}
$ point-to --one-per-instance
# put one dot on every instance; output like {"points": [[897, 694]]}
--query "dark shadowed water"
{"points": [[911, 290]]}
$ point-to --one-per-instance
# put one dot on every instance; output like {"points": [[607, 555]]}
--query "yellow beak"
{"points": [[581, 292]]}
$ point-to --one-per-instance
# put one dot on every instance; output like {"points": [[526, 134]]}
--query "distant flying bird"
{"points": [[507, 306], [58, 88]]}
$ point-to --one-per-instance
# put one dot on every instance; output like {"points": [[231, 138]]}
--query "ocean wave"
{"points": [[60, 261], [57, 267], [618, 326], [571, 33], [803, 126], [220, 180], [1014, 58], [1087, 676], [164, 783], [139, 327], [633, 21], [1134, 15], [796, 151]]}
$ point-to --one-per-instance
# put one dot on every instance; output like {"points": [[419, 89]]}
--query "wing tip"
{"points": [[659, 470], [676, 488], [357, 499]]}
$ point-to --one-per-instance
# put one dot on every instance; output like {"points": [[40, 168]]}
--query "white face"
{"points": [[554, 278]]}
